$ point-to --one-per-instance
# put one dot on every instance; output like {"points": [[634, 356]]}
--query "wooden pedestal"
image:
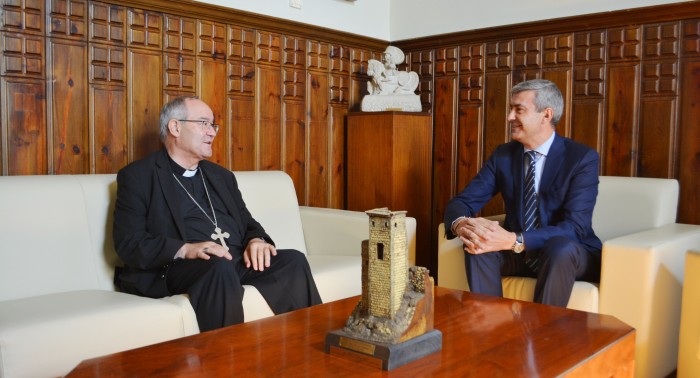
{"points": [[389, 158]]}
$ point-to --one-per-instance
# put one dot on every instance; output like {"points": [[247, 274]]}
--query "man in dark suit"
{"points": [[181, 226], [549, 185]]}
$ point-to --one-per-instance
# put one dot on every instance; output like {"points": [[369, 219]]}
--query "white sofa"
{"points": [[642, 266], [58, 305], [689, 335]]}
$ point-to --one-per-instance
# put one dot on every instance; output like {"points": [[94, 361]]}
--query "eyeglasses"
{"points": [[206, 125]]}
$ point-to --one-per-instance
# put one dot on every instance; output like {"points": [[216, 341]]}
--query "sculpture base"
{"points": [[391, 355], [402, 102]]}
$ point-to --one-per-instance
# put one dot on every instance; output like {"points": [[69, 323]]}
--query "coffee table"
{"points": [[482, 336]]}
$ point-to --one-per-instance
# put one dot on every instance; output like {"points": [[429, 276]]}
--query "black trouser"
{"points": [[216, 291]]}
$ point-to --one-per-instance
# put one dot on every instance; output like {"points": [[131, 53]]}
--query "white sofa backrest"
{"points": [[46, 244], [631, 204], [272, 200], [56, 230]]}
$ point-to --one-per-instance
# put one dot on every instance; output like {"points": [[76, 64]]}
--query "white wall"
{"points": [[408, 17], [394, 20], [368, 18]]}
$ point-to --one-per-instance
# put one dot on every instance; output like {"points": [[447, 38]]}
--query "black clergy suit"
{"points": [[149, 228], [567, 195]]}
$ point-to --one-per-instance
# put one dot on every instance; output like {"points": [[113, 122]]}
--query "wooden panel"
{"points": [[241, 43], [339, 60], [107, 64], [268, 48], [691, 38], [660, 78], [241, 78], [68, 106], [527, 53], [562, 78], [293, 83], [179, 72], [499, 55], [558, 50], [624, 43], [469, 149], [24, 125], [661, 40], [621, 121], [145, 29], [421, 62], [295, 145], [339, 89], [67, 18], [269, 109], [211, 39], [358, 76], [317, 56], [496, 129], [587, 120], [144, 102], [318, 142], [657, 138], [242, 119], [211, 88], [444, 152], [688, 146], [107, 23], [179, 35], [22, 55], [23, 16], [589, 47], [446, 61], [109, 139], [337, 157]]}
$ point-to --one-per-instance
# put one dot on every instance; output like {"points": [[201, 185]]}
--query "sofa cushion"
{"points": [[49, 335], [272, 200], [337, 277]]}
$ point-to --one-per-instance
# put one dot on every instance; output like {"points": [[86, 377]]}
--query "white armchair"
{"points": [[642, 266]]}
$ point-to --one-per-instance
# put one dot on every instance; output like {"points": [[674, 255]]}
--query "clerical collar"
{"points": [[180, 171]]}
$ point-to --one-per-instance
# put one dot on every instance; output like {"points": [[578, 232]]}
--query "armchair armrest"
{"points": [[341, 232], [641, 284]]}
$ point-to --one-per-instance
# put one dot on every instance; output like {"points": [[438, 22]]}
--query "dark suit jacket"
{"points": [[567, 193], [148, 226]]}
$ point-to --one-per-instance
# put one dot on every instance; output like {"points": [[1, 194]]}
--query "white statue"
{"points": [[390, 89]]}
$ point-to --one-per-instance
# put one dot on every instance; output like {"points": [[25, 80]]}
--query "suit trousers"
{"points": [[561, 262], [215, 286]]}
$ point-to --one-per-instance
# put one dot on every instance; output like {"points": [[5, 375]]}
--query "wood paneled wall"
{"points": [[82, 83], [631, 81]]}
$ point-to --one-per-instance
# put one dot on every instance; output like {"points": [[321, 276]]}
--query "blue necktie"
{"points": [[532, 219]]}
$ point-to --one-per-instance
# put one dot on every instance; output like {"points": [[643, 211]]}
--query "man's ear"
{"points": [[173, 127], [548, 115]]}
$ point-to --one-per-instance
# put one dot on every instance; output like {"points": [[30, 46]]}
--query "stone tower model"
{"points": [[384, 263]]}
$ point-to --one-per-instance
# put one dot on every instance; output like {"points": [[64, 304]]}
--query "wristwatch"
{"points": [[518, 246]]}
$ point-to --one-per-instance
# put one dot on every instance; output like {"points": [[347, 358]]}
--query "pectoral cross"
{"points": [[218, 235]]}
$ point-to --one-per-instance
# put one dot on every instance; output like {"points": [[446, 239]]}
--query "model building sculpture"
{"points": [[393, 320]]}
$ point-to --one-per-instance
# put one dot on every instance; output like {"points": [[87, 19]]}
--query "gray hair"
{"points": [[175, 109], [547, 95]]}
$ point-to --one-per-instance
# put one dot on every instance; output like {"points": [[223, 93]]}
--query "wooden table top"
{"points": [[482, 336]]}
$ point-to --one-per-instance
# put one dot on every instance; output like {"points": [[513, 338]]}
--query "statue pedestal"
{"points": [[392, 102], [389, 164], [391, 355]]}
